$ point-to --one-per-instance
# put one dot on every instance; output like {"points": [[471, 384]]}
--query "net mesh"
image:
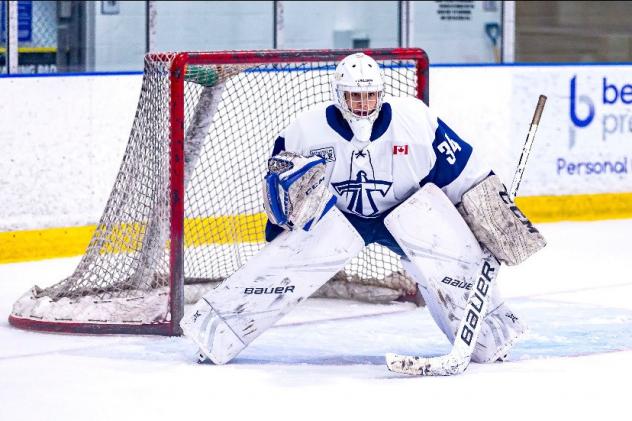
{"points": [[233, 114]]}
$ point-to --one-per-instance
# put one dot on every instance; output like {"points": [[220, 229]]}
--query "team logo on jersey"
{"points": [[400, 150], [326, 153], [363, 191]]}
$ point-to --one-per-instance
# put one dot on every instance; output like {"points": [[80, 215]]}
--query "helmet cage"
{"points": [[348, 112]]}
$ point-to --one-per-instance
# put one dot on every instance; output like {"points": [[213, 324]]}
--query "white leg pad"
{"points": [[500, 331], [444, 258], [287, 271]]}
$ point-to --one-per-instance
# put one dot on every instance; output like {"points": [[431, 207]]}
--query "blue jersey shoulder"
{"points": [[452, 155]]}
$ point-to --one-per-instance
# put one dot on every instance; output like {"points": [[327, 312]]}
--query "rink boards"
{"points": [[62, 168]]}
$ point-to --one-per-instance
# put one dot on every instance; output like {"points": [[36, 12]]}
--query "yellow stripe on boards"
{"points": [[39, 50], [224, 230], [580, 207], [20, 246]]}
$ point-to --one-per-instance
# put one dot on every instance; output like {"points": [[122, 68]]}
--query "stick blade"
{"points": [[404, 364]]}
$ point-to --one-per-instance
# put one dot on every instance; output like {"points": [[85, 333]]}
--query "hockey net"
{"points": [[186, 210]]}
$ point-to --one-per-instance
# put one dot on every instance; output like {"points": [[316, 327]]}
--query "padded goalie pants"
{"points": [[372, 230]]}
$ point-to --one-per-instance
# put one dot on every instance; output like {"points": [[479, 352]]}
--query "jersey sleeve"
{"points": [[457, 166]]}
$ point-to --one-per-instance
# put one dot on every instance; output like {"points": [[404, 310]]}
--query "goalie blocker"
{"points": [[498, 223]]}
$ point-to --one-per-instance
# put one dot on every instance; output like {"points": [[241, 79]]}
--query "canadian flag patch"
{"points": [[400, 150]]}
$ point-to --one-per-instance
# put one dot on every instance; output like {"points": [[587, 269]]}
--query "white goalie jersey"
{"points": [[409, 147]]}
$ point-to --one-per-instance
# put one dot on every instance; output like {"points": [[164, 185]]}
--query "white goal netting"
{"points": [[232, 115]]}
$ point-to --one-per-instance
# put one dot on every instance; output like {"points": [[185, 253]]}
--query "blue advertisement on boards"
{"points": [[25, 21]]}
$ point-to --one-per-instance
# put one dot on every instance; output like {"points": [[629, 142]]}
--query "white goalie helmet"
{"points": [[358, 92]]}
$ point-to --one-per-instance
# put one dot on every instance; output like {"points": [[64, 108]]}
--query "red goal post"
{"points": [[164, 221]]}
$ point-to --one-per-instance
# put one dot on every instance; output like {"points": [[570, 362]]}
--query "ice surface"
{"points": [[325, 360]]}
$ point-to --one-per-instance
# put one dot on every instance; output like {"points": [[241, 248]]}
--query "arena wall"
{"points": [[62, 139]]}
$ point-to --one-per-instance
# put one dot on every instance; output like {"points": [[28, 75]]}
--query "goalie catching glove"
{"points": [[295, 193], [498, 224]]}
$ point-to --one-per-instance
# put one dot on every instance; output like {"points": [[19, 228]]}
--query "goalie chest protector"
{"points": [[368, 178]]}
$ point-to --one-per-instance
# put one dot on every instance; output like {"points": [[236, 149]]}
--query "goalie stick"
{"points": [[469, 328]]}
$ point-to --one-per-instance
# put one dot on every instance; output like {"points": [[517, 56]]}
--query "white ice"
{"points": [[325, 360]]}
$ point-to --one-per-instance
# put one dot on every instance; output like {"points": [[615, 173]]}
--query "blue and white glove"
{"points": [[295, 193]]}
